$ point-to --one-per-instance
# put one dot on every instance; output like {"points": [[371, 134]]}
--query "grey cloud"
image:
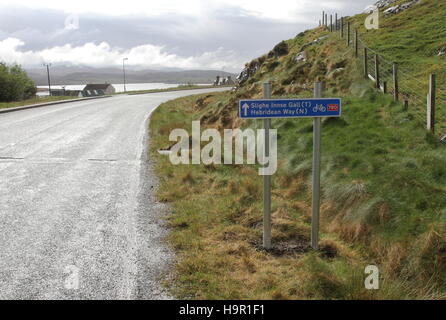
{"points": [[230, 28]]}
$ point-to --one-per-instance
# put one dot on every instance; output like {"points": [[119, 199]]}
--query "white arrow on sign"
{"points": [[245, 107]]}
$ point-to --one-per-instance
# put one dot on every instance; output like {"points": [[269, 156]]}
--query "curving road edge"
{"points": [[78, 217]]}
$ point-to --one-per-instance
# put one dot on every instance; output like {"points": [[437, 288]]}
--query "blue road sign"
{"points": [[290, 108]]}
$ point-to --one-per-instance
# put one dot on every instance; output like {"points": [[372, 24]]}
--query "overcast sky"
{"points": [[155, 34]]}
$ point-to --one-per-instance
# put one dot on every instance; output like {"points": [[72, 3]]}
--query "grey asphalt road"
{"points": [[77, 216]]}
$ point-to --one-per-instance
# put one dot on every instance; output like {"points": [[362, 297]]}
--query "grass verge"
{"points": [[179, 88], [383, 204], [4, 105]]}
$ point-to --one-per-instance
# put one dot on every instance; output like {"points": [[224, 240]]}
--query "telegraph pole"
{"points": [[123, 70], [48, 65]]}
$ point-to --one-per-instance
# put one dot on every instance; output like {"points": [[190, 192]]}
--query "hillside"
{"points": [[383, 176], [79, 75], [418, 44], [328, 59]]}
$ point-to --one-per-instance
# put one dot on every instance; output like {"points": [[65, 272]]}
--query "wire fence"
{"points": [[392, 77]]}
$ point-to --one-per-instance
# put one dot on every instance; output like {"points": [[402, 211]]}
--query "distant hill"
{"points": [[76, 75]]}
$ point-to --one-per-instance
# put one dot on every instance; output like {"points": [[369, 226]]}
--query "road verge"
{"points": [[39, 105]]}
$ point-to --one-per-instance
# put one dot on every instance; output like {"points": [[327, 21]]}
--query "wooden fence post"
{"points": [[348, 33], [331, 22], [326, 19], [385, 87], [323, 18], [366, 66], [336, 22], [395, 82], [377, 79], [342, 27], [406, 105], [356, 43], [431, 104]]}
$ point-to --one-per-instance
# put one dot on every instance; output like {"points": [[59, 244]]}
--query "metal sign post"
{"points": [[267, 178], [315, 206], [315, 108]]}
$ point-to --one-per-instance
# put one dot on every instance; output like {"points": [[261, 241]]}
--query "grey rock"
{"points": [[334, 73], [384, 3], [300, 57], [391, 10], [400, 8], [315, 41], [250, 69]]}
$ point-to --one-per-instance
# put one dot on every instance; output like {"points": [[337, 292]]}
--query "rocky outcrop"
{"points": [[302, 56], [384, 3], [250, 69], [315, 41], [399, 8], [279, 50]]}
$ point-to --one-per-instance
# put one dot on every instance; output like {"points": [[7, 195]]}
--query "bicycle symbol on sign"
{"points": [[319, 108]]}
